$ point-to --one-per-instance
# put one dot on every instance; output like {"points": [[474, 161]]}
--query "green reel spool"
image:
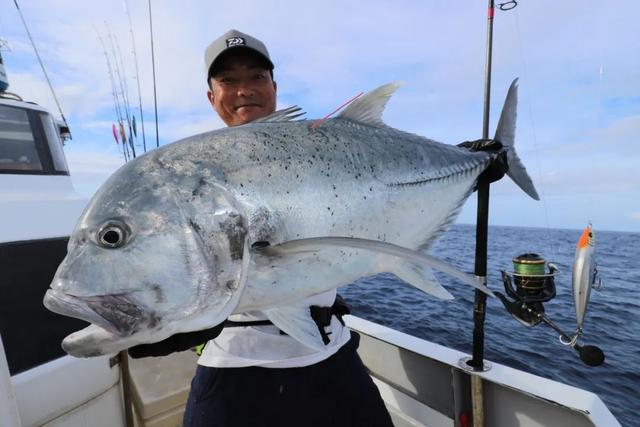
{"points": [[529, 264]]}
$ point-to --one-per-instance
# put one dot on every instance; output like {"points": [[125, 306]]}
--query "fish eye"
{"points": [[112, 235]]}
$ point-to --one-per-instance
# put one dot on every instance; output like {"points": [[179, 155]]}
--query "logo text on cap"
{"points": [[235, 41]]}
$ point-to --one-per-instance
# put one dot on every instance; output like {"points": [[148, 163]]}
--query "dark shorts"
{"points": [[333, 393]]}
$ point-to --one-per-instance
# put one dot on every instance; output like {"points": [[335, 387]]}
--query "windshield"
{"points": [[18, 150], [30, 143], [55, 144]]}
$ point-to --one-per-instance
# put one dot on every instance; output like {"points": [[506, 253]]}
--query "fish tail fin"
{"points": [[505, 133]]}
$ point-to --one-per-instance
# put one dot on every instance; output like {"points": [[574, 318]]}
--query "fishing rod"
{"points": [[153, 67], [529, 286], [482, 215], [135, 59], [114, 94], [477, 363], [122, 88], [130, 116]]}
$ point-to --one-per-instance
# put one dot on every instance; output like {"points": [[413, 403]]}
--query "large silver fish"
{"points": [[176, 240]]}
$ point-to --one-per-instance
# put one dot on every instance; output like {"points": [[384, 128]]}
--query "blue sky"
{"points": [[578, 64]]}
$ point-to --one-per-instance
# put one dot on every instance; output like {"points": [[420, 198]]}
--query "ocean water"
{"points": [[612, 321]]}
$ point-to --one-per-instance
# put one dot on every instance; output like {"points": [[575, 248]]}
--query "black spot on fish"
{"points": [[195, 226], [235, 230], [198, 190]]}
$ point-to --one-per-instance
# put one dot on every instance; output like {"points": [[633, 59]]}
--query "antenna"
{"points": [[4, 81], [46, 76]]}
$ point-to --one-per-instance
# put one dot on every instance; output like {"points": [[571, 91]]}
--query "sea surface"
{"points": [[612, 321]]}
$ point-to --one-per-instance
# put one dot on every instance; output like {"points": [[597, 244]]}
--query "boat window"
{"points": [[55, 144], [18, 150]]}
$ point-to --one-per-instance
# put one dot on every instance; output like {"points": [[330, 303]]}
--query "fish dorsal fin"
{"points": [[368, 108], [284, 115]]}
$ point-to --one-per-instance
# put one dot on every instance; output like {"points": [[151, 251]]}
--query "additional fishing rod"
{"points": [[135, 59], [44, 71], [114, 94], [125, 97], [153, 67], [130, 117], [120, 113]]}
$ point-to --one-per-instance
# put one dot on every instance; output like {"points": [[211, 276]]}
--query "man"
{"points": [[252, 374]]}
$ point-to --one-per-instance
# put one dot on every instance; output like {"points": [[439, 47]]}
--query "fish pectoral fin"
{"points": [[376, 246], [422, 278], [296, 322]]}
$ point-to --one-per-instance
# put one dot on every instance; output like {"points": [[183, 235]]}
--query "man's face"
{"points": [[242, 90]]}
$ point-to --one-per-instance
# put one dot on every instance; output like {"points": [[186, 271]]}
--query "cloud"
{"points": [[577, 125]]}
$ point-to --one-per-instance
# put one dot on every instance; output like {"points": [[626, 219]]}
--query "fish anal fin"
{"points": [[296, 322], [421, 278]]}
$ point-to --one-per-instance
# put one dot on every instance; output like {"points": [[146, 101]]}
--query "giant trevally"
{"points": [[259, 216]]}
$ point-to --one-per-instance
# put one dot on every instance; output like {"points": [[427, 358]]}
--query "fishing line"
{"points": [[44, 71], [524, 64], [324, 119]]}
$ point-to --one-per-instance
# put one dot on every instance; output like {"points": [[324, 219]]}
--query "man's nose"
{"points": [[245, 89]]}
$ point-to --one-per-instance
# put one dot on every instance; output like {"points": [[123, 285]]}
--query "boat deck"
{"points": [[421, 382]]}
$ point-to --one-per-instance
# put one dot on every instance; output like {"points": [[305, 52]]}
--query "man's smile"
{"points": [[249, 105]]}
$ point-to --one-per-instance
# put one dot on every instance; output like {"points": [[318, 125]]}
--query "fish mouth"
{"points": [[114, 313]]}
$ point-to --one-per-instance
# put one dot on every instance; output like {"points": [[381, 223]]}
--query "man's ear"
{"points": [[275, 86], [211, 98]]}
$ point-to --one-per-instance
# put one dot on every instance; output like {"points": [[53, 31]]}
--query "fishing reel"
{"points": [[527, 288]]}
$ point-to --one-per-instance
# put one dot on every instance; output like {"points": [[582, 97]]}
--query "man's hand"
{"points": [[175, 343], [498, 166]]}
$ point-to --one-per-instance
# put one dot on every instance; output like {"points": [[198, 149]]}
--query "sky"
{"points": [[578, 63]]}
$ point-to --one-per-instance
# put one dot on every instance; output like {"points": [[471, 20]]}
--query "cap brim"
{"points": [[237, 49]]}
